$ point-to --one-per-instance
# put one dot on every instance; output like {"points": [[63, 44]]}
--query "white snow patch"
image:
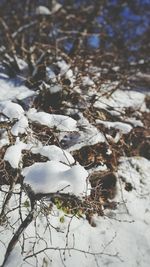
{"points": [[11, 110], [134, 122], [53, 176], [87, 81], [64, 67], [50, 74], [42, 10], [116, 68], [4, 140], [20, 127], [55, 88], [13, 153], [120, 232], [122, 127], [135, 170], [61, 122], [23, 65], [116, 138], [54, 153], [69, 75], [10, 90], [122, 99], [89, 135]]}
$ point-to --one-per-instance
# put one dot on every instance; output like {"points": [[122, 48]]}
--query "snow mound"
{"points": [[53, 176]]}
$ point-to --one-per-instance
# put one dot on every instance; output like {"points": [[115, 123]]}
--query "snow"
{"points": [[53, 176], [122, 99], [42, 10], [13, 153], [61, 122], [55, 6], [66, 71], [139, 169], [50, 74], [64, 67], [55, 88], [11, 110], [4, 140], [116, 68], [120, 238], [122, 233], [87, 81], [11, 90], [69, 75], [86, 135], [134, 122], [20, 127], [22, 64], [122, 127], [54, 153]]}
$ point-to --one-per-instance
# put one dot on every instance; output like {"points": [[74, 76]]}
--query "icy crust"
{"points": [[61, 122], [53, 176]]}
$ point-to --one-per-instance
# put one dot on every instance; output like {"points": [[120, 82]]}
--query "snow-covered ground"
{"points": [[120, 238], [55, 237]]}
